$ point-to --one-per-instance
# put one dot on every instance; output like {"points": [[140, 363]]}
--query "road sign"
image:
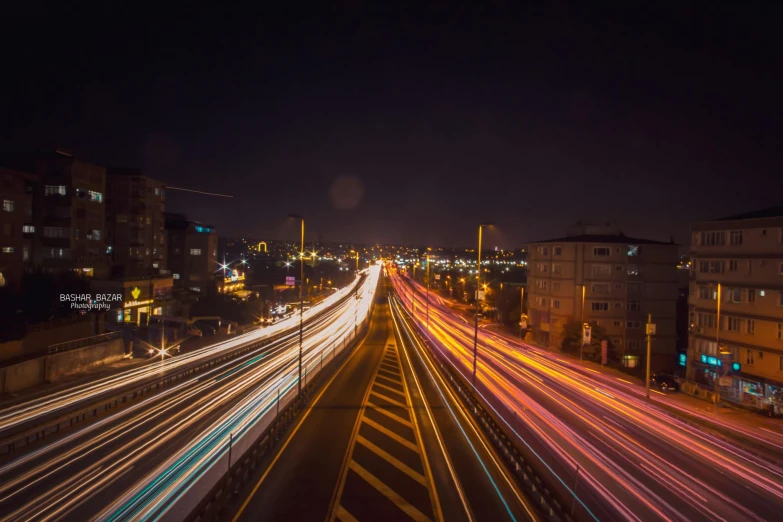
{"points": [[437, 277], [290, 280], [725, 381], [604, 351], [587, 332], [650, 329]]}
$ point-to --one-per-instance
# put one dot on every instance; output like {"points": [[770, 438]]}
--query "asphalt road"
{"points": [[625, 458], [385, 440], [78, 473]]}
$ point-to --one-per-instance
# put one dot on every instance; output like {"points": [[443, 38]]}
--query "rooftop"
{"points": [[770, 212], [603, 238]]}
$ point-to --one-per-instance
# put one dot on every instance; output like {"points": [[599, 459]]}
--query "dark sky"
{"points": [[530, 117]]}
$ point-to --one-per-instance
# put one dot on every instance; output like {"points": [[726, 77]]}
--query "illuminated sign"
{"points": [[683, 359], [234, 277], [714, 361], [136, 292], [131, 304]]}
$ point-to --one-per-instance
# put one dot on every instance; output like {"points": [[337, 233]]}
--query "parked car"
{"points": [[664, 382]]}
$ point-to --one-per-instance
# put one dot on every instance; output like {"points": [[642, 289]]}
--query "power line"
{"points": [[199, 192]]}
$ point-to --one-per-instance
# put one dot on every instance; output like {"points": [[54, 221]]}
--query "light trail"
{"points": [[147, 454], [636, 461]]}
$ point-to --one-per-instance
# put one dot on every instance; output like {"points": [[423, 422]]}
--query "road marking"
{"points": [[389, 388], [402, 448], [296, 429], [389, 399], [389, 493], [394, 461], [344, 516], [391, 434], [394, 381], [390, 415]]}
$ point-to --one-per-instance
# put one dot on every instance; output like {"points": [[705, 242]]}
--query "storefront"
{"points": [[141, 298], [232, 283]]}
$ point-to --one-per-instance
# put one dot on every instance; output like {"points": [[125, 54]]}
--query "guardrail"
{"points": [[486, 410], [229, 475], [81, 343]]}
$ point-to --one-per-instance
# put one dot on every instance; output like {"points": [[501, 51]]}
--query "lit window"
{"points": [[8, 205], [94, 235], [95, 196], [195, 251], [8, 250], [55, 190], [634, 250], [175, 276], [28, 229]]}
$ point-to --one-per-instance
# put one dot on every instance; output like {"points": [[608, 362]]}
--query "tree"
{"points": [[572, 340]]}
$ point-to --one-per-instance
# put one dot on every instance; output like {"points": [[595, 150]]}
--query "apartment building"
{"points": [[17, 192], [73, 216], [739, 258], [623, 278], [192, 253], [135, 223]]}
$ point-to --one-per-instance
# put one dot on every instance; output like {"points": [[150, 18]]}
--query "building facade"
{"points": [[142, 297], [18, 194], [73, 216], [739, 258], [135, 223], [192, 253], [623, 279]]}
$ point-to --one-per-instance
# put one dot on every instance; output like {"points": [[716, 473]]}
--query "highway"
{"points": [[137, 462], [385, 440], [19, 416], [618, 456]]}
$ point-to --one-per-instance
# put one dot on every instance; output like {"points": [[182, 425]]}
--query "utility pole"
{"points": [[716, 381], [478, 285], [582, 320], [301, 298], [650, 333], [428, 292]]}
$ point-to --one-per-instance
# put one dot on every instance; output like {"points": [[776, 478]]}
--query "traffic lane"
{"points": [[487, 493], [651, 476], [132, 430], [145, 436], [50, 406], [308, 465]]}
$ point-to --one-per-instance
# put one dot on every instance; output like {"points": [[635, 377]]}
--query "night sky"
{"points": [[529, 117]]}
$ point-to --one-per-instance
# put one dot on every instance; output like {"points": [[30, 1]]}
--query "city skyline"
{"points": [[382, 129]]}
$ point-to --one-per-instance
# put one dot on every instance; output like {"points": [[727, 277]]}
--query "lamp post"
{"points": [[428, 291], [716, 381], [582, 321], [301, 298], [478, 285]]}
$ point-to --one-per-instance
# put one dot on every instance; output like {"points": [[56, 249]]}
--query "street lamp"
{"points": [[357, 260], [301, 297], [428, 292], [478, 284]]}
